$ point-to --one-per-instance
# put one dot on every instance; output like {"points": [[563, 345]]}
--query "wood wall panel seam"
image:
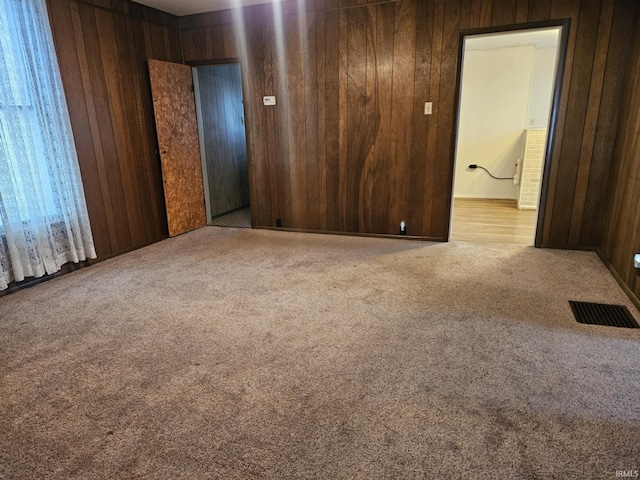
{"points": [[541, 9], [296, 113], [266, 66], [581, 78], [419, 122], [522, 11], [589, 131], [309, 49], [569, 12], [621, 226], [105, 195], [114, 92], [343, 120], [322, 128], [106, 127], [432, 121], [617, 69], [447, 123], [357, 136], [147, 170]]}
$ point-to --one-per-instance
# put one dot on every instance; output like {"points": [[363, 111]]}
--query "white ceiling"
{"points": [[540, 37], [189, 7]]}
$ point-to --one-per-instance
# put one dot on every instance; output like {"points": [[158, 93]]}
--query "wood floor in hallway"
{"points": [[492, 221]]}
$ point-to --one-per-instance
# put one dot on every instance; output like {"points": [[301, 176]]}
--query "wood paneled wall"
{"points": [[621, 239], [102, 48], [348, 148]]}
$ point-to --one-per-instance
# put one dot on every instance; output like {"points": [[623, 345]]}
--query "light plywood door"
{"points": [[177, 129]]}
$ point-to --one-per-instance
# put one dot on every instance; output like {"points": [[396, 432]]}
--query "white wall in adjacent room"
{"points": [[494, 108], [544, 65]]}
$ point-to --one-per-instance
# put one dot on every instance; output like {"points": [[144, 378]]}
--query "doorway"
{"points": [[223, 144], [508, 86]]}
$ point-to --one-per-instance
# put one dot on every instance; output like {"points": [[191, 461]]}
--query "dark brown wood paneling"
{"points": [[522, 11], [486, 10], [589, 130], [474, 14], [77, 85], [102, 51], [263, 174], [575, 122], [282, 126], [343, 120], [97, 77], [605, 133], [571, 11], [123, 153], [358, 134], [621, 239], [540, 10], [332, 115], [374, 185], [311, 77], [441, 197], [404, 51], [294, 32], [419, 121], [257, 81], [503, 12], [377, 159], [322, 116], [433, 119]]}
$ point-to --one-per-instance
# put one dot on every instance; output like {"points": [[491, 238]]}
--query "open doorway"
{"points": [[223, 144], [508, 80]]}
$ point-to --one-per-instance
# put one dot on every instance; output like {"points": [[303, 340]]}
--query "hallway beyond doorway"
{"points": [[240, 218]]}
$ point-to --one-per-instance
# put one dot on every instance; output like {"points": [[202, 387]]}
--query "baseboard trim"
{"points": [[31, 281], [68, 268], [621, 282], [353, 234]]}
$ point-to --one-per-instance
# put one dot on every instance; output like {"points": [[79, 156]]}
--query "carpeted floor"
{"points": [[231, 353]]}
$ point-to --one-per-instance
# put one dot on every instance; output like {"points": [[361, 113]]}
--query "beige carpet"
{"points": [[230, 353]]}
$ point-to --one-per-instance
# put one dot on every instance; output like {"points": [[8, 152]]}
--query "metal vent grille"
{"points": [[603, 314]]}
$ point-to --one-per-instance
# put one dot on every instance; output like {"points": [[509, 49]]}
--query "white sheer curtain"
{"points": [[43, 214]]}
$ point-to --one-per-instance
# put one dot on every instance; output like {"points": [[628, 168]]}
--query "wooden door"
{"points": [[224, 137], [175, 113]]}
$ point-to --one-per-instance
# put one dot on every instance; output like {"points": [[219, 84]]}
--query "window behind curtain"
{"points": [[43, 216]]}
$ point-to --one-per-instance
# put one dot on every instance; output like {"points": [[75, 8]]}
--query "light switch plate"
{"points": [[428, 108], [269, 100]]}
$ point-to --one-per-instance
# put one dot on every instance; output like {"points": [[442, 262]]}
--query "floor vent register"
{"points": [[603, 314]]}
